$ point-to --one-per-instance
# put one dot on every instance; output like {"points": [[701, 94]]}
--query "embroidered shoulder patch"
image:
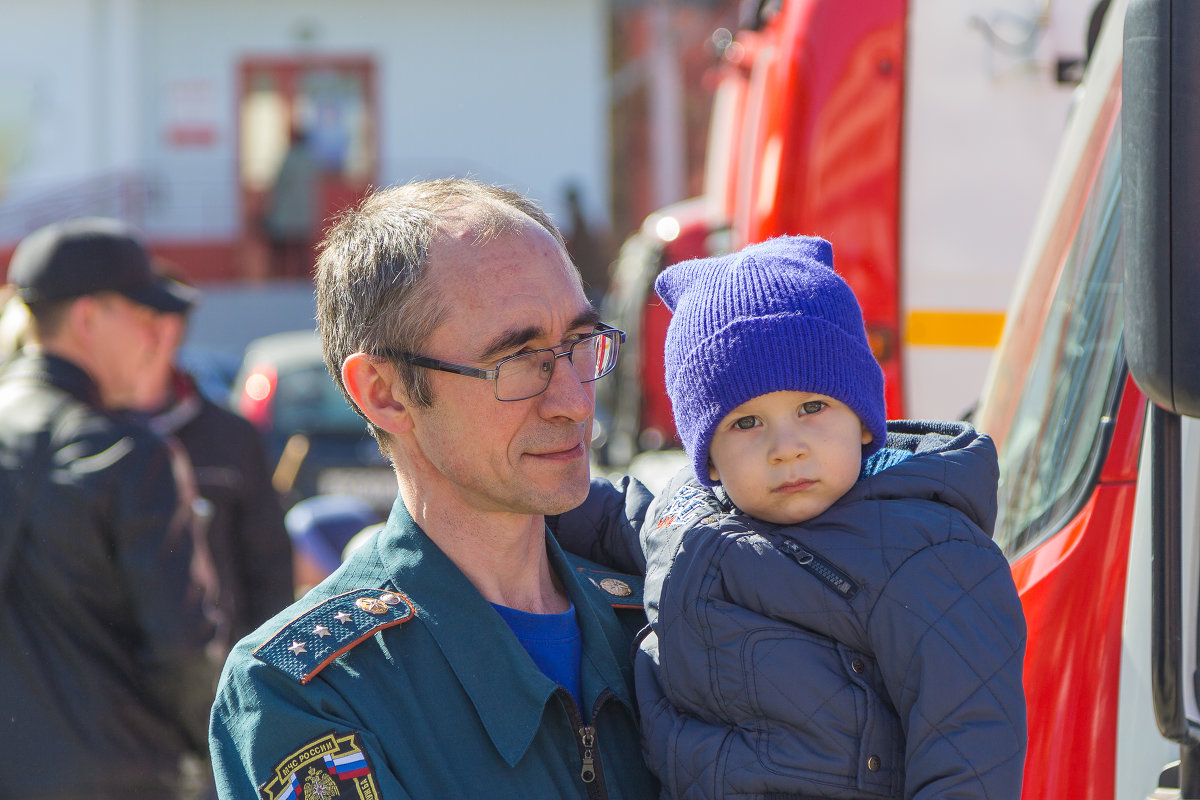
{"points": [[332, 766], [689, 504], [305, 645]]}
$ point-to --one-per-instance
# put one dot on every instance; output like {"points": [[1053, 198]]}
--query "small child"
{"points": [[830, 616]]}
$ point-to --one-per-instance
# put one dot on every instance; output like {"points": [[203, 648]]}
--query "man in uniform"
{"points": [[103, 625], [461, 653]]}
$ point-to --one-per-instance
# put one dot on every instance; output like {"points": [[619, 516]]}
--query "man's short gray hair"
{"points": [[373, 294]]}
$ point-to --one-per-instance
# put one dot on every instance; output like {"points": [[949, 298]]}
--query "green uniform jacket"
{"points": [[395, 679]]}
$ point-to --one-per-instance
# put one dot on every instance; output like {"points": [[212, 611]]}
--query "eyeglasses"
{"points": [[527, 375]]}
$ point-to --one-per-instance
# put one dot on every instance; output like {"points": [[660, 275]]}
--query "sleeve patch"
{"points": [[332, 766], [689, 504], [304, 646]]}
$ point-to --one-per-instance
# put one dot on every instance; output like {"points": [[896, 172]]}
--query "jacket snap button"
{"points": [[873, 763], [858, 666]]}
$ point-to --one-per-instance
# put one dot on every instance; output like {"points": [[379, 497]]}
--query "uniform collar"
{"points": [[479, 646]]}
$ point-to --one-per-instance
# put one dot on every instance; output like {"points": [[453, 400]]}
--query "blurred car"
{"points": [[214, 371], [315, 441]]}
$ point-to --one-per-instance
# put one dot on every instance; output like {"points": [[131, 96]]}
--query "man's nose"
{"points": [[567, 396]]}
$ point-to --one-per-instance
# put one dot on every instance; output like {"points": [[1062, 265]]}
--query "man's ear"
{"points": [[375, 387], [78, 330], [81, 316]]}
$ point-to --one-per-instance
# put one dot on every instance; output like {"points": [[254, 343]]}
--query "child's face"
{"points": [[785, 457]]}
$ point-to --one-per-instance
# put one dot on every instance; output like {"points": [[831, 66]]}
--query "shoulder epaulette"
{"points": [[305, 645], [619, 589]]}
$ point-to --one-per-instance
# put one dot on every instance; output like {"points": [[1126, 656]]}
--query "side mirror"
{"points": [[1160, 229], [1160, 200]]}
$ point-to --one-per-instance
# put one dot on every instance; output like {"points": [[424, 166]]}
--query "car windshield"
{"points": [[1057, 377]]}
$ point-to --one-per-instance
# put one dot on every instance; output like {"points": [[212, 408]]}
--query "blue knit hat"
{"points": [[772, 317]]}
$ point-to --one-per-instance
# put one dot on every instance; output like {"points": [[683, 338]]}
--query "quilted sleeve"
{"points": [[604, 528], [688, 756], [949, 634]]}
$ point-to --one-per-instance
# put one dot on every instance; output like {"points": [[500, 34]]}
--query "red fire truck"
{"points": [[915, 135]]}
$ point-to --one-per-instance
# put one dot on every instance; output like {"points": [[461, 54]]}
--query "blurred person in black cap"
{"points": [[105, 622], [251, 549]]}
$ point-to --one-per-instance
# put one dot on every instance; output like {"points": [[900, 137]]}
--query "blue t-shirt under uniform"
{"points": [[553, 642]]}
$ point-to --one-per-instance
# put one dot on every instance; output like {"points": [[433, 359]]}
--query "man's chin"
{"points": [[571, 494]]}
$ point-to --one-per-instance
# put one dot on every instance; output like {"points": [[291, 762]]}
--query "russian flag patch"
{"points": [[335, 765]]}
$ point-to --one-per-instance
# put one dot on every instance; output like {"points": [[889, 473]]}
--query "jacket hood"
{"points": [[947, 462]]}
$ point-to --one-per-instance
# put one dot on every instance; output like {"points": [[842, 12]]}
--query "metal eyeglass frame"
{"points": [[493, 375]]}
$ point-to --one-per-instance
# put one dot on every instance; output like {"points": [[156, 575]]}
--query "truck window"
{"points": [[1068, 392]]}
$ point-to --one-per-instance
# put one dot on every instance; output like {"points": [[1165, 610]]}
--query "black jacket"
{"points": [[103, 624], [250, 545]]}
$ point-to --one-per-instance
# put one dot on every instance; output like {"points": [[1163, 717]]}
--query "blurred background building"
{"points": [[177, 114], [916, 134]]}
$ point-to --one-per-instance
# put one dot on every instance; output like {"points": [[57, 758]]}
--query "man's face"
{"points": [[123, 342], [154, 379], [512, 294]]}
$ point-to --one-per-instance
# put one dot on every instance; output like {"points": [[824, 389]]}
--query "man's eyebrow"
{"points": [[585, 319], [518, 337]]}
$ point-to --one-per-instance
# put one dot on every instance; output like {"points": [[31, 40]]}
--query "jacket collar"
{"points": [[37, 365], [479, 646], [949, 462], [181, 408]]}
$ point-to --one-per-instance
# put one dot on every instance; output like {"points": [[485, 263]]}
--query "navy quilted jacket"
{"points": [[873, 652]]}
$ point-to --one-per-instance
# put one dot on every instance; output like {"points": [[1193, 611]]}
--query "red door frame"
{"points": [[288, 69]]}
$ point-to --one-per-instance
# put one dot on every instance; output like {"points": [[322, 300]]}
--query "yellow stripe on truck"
{"points": [[954, 328]]}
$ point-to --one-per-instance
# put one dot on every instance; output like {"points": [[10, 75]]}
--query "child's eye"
{"points": [[812, 406], [745, 423]]}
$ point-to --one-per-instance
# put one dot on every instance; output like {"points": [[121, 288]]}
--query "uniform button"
{"points": [[858, 666], [371, 605], [617, 588], [873, 763]]}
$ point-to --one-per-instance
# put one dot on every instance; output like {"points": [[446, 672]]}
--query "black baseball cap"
{"points": [[89, 255]]}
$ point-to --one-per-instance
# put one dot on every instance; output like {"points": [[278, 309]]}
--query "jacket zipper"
{"points": [[825, 572], [587, 740], [591, 773]]}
